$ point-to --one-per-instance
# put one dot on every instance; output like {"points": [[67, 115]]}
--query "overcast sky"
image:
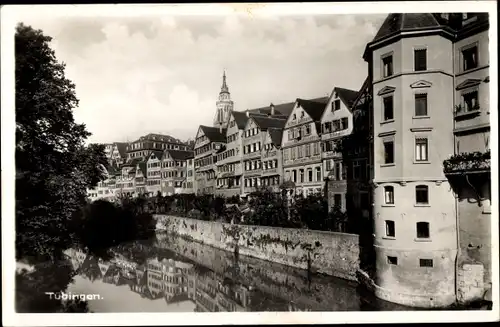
{"points": [[139, 75]]}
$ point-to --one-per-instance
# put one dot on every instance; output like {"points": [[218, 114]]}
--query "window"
{"points": [[328, 165], [307, 129], [423, 230], [388, 108], [310, 175], [471, 101], [420, 57], [294, 173], [318, 174], [392, 260], [421, 149], [336, 105], [469, 58], [422, 194], [307, 150], [389, 194], [302, 175], [338, 171], [337, 200], [426, 263], [387, 66], [420, 105], [389, 152], [345, 123], [390, 228]]}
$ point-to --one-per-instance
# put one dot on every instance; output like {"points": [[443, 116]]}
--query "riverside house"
{"points": [[301, 141], [174, 171], [209, 141], [153, 169]]}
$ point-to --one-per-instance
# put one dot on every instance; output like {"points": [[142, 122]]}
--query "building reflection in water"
{"points": [[214, 280]]}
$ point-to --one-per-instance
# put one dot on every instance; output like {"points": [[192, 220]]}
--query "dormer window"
{"points": [[336, 105]]}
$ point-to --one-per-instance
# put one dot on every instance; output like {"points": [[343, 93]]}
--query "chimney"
{"points": [[272, 109], [247, 113]]}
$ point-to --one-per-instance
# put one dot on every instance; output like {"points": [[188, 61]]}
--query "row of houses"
{"points": [[414, 154]]}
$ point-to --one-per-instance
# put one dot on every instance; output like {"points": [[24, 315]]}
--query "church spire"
{"points": [[224, 88]]}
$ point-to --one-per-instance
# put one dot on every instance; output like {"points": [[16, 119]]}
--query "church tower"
{"points": [[224, 105]]}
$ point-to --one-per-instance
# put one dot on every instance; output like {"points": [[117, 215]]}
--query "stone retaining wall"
{"points": [[334, 254]]}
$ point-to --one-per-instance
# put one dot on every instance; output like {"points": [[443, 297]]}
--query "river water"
{"points": [[172, 274]]}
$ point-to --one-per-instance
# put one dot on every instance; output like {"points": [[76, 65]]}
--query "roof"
{"points": [[180, 154], [276, 135], [122, 148], [347, 96], [131, 163], [395, 23], [264, 122], [158, 154], [314, 108], [142, 167], [284, 109], [405, 22], [214, 134], [240, 118]]}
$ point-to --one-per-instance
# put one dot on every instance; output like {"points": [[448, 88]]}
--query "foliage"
{"points": [[31, 288], [53, 167], [268, 209], [468, 161], [104, 224]]}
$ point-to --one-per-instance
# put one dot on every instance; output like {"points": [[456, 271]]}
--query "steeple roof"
{"points": [[224, 88], [395, 23]]}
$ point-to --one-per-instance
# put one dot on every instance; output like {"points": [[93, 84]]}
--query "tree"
{"points": [[53, 166]]}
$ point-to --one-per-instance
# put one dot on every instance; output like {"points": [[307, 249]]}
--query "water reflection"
{"points": [[200, 278]]}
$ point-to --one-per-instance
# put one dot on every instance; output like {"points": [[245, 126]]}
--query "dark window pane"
{"points": [[392, 260], [422, 194], [423, 230], [420, 104], [390, 229], [469, 57], [389, 152], [420, 59], [426, 263], [388, 108]]}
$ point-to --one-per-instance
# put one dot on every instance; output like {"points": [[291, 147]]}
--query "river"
{"points": [[172, 274]]}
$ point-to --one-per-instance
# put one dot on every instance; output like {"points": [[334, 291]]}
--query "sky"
{"points": [[162, 74]]}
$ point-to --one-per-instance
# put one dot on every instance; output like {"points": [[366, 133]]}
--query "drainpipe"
{"points": [[456, 198]]}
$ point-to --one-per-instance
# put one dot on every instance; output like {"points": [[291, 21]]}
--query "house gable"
{"points": [[331, 113], [297, 116]]}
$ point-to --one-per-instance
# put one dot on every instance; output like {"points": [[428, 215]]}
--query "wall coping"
{"points": [[259, 226]]}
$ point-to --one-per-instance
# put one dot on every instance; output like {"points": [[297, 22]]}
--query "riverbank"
{"points": [[334, 254]]}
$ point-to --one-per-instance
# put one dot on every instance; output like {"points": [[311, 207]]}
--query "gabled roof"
{"points": [[214, 134], [240, 118], [276, 135], [132, 163], [347, 96], [180, 155], [264, 122], [122, 148], [284, 109], [157, 154], [142, 167], [314, 108]]}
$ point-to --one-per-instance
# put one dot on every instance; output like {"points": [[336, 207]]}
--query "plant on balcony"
{"points": [[467, 162]]}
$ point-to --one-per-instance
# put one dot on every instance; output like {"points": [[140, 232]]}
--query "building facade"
{"points": [[154, 173], [229, 159], [301, 144], [259, 150], [415, 212], [336, 123], [174, 172], [209, 140], [141, 148]]}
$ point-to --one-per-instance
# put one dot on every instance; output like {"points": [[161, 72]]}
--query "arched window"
{"points": [[422, 194], [389, 194]]}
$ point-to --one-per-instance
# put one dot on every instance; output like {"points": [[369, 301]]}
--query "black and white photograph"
{"points": [[249, 163]]}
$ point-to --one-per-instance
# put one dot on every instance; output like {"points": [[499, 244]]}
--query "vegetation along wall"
{"points": [[334, 254]]}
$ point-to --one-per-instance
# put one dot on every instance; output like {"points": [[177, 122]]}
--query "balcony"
{"points": [[253, 172], [252, 155], [468, 163], [461, 112]]}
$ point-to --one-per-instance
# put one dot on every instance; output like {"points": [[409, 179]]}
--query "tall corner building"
{"points": [[429, 79]]}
